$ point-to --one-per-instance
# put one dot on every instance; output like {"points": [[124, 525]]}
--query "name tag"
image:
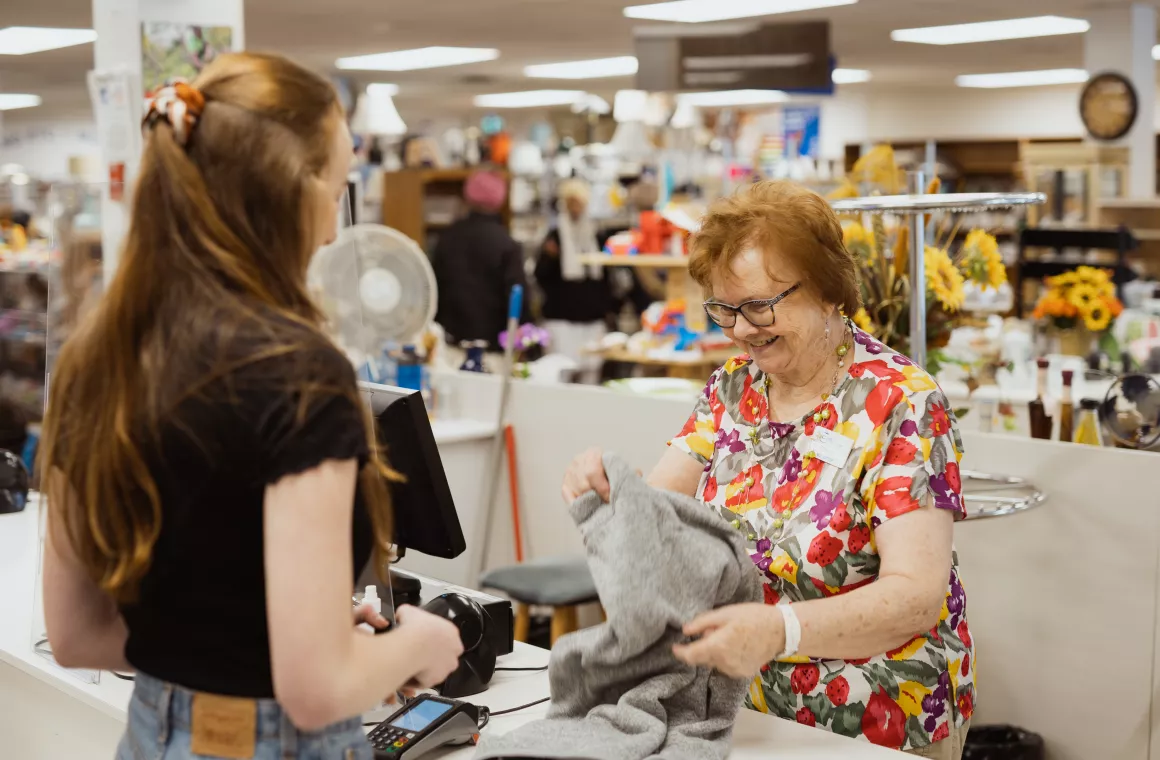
{"points": [[224, 726], [830, 447]]}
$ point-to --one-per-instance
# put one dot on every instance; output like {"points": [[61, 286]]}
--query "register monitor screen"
{"points": [[424, 513]]}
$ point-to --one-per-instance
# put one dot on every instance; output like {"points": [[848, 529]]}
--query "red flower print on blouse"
{"points": [[900, 451], [940, 733], [804, 678], [954, 479], [939, 423], [838, 691], [967, 704], [859, 537], [754, 405], [710, 491], [717, 407], [792, 493], [751, 487], [878, 368], [824, 549], [884, 722], [881, 401], [893, 496], [964, 633], [806, 717], [689, 428], [829, 420], [771, 595], [840, 521]]}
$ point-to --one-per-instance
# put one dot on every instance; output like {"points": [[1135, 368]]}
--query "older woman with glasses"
{"points": [[837, 459]]}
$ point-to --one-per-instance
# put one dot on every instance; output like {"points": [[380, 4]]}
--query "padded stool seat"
{"points": [[561, 583]]}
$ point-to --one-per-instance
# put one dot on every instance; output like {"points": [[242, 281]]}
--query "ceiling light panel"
{"points": [[990, 31], [700, 11], [724, 98], [529, 99], [1023, 78], [596, 68], [382, 88], [12, 101], [420, 58], [22, 40]]}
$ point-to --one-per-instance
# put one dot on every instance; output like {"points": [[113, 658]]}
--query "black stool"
{"points": [[558, 582]]}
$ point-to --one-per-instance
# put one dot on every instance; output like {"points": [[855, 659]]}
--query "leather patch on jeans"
{"points": [[224, 727]]}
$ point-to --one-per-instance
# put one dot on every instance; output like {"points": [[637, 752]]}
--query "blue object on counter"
{"points": [[516, 302], [474, 360], [410, 369]]}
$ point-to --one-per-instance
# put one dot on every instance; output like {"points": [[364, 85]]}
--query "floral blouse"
{"points": [[810, 527]]}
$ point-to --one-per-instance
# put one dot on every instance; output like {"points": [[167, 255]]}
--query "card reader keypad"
{"points": [[389, 739]]}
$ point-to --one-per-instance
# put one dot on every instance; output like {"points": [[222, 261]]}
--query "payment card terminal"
{"points": [[424, 724]]}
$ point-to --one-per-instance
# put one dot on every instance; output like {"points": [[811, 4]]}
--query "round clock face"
{"points": [[1108, 106]]}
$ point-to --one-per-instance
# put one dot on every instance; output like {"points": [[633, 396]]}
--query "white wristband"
{"points": [[793, 631]]}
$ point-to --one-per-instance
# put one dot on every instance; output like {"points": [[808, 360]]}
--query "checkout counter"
{"points": [[48, 713]]}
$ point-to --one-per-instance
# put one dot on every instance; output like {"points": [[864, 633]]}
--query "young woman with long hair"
{"points": [[212, 479]]}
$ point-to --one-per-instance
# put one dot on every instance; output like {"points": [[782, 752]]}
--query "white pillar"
{"points": [[118, 47], [1120, 41]]}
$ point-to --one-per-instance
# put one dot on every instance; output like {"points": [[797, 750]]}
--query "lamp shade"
{"points": [[375, 114], [630, 105]]}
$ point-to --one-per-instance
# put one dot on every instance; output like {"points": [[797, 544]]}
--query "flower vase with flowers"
{"points": [[530, 342], [1080, 306]]}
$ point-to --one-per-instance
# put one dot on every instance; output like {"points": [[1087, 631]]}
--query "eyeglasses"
{"points": [[757, 313]]}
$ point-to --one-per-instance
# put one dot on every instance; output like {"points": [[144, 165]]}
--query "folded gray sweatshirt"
{"points": [[618, 693]]}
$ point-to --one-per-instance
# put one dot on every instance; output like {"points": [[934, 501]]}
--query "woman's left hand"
{"points": [[735, 640], [365, 613]]}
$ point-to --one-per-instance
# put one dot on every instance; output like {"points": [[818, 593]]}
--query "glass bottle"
{"points": [[1066, 408], [1087, 423]]}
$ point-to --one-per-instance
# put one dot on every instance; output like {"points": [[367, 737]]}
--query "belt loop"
{"points": [[164, 705], [289, 736]]}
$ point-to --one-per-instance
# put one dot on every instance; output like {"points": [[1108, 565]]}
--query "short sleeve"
{"points": [[919, 450], [318, 419], [699, 435]]}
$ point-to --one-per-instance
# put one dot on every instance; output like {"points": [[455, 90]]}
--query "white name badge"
{"points": [[830, 447]]}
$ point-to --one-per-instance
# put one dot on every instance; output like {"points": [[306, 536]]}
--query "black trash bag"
{"points": [[13, 483], [1002, 743]]}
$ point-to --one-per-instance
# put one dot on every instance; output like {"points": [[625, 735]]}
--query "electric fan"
{"points": [[1130, 413], [375, 285]]}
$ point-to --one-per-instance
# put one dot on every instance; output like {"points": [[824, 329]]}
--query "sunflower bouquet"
{"points": [[1085, 297], [886, 286]]}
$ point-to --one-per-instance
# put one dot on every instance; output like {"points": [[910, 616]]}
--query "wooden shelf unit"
{"points": [[405, 193]]}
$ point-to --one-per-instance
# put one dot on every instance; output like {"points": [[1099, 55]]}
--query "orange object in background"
{"points": [[500, 147], [655, 232]]}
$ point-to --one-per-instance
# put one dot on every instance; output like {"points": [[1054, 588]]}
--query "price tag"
{"points": [[830, 447]]}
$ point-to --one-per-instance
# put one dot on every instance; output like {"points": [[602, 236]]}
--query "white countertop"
{"points": [[757, 737]]}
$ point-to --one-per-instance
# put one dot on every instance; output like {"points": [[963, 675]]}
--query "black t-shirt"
{"points": [[200, 618]]}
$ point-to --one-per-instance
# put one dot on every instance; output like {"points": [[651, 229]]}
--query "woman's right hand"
{"points": [[439, 645], [586, 473]]}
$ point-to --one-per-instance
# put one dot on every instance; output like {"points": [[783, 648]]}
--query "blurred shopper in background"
{"points": [[578, 298], [476, 264]]}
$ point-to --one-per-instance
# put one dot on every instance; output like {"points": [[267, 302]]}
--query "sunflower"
{"points": [[862, 319], [1083, 296], [944, 279], [1097, 316], [859, 241], [982, 262]]}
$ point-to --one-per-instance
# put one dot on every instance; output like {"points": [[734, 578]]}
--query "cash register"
{"points": [[425, 521]]}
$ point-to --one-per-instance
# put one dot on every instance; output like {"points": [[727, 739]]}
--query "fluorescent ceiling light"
{"points": [[733, 98], [420, 58], [698, 11], [850, 76], [12, 101], [1023, 78], [989, 31], [621, 66], [382, 88], [529, 99], [21, 40]]}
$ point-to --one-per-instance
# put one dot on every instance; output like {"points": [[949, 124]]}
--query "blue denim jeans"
{"points": [[159, 729]]}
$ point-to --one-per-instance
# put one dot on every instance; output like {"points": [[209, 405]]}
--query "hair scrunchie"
{"points": [[180, 104]]}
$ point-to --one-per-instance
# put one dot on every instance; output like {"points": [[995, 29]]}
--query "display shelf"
{"points": [[641, 260]]}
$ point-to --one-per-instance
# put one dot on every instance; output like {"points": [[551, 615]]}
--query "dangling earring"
{"points": [[827, 338]]}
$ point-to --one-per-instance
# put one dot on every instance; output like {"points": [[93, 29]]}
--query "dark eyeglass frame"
{"points": [[738, 309]]}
